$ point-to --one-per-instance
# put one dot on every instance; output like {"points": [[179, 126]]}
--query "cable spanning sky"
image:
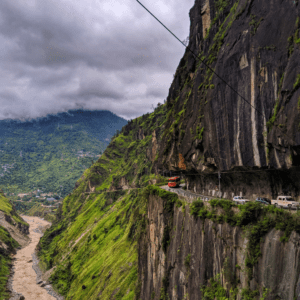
{"points": [[110, 55]]}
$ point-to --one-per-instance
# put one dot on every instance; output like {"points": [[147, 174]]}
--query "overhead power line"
{"points": [[202, 60]]}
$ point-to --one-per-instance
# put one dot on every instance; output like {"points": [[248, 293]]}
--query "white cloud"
{"points": [[60, 55]]}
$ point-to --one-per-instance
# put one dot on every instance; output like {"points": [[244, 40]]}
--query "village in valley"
{"points": [[46, 199], [37, 197]]}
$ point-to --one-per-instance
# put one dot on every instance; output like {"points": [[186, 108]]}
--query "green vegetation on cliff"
{"points": [[47, 213], [99, 248], [7, 244], [7, 208], [129, 156], [92, 246], [93, 242], [256, 220]]}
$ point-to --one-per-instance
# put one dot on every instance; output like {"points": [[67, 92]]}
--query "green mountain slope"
{"points": [[93, 242], [7, 243], [51, 153], [37, 210]]}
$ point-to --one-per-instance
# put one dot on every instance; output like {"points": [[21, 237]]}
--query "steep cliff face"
{"points": [[22, 227], [180, 253], [251, 122], [111, 243]]}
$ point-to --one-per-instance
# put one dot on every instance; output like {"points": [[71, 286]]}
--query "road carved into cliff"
{"points": [[188, 195]]}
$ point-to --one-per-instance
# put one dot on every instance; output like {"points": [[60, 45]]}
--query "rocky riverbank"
{"points": [[26, 281]]}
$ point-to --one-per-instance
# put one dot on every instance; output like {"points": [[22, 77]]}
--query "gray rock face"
{"points": [[252, 46], [212, 249], [16, 296], [23, 228]]}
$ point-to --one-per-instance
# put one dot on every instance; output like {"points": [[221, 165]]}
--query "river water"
{"points": [[24, 278]]}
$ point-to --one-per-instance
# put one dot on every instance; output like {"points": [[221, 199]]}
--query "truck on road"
{"points": [[286, 202]]}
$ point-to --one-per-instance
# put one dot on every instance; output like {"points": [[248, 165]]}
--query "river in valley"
{"points": [[24, 280]]}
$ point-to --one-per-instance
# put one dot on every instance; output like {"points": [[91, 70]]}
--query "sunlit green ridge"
{"points": [[93, 242]]}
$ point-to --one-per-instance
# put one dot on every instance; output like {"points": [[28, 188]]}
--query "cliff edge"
{"points": [[235, 109]]}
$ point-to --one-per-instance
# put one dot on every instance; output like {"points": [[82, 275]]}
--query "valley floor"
{"points": [[24, 278]]}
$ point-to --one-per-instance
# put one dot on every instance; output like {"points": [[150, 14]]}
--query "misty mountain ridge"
{"points": [[51, 153], [97, 122]]}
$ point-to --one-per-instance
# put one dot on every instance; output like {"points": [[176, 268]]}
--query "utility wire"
{"points": [[196, 57], [199, 58], [163, 25]]}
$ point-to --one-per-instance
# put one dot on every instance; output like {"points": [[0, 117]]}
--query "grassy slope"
{"points": [[11, 244], [109, 223], [105, 251], [43, 212]]}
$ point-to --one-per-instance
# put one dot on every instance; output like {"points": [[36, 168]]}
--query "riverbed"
{"points": [[24, 279]]}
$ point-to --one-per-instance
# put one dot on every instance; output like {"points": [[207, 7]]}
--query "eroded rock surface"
{"points": [[253, 125], [17, 230], [212, 249]]}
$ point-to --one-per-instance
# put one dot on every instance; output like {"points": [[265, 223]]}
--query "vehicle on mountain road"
{"points": [[264, 201], [285, 202], [240, 200], [174, 182]]}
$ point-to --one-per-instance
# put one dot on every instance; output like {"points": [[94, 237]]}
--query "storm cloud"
{"points": [[112, 55]]}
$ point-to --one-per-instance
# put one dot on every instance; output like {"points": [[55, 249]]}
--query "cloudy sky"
{"points": [[58, 55]]}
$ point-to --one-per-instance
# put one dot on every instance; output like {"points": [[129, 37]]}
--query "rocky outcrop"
{"points": [[140, 134], [250, 182], [251, 122], [198, 250], [154, 145], [23, 228], [151, 252], [17, 230]]}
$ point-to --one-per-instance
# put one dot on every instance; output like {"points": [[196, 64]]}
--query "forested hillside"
{"points": [[51, 153]]}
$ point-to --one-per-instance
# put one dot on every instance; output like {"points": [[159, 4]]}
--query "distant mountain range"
{"points": [[51, 153]]}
